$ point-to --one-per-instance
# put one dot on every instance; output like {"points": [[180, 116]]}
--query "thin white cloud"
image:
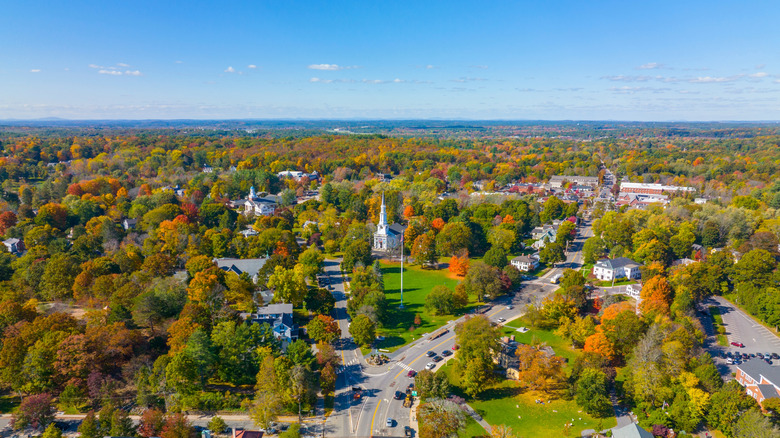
{"points": [[373, 81], [714, 80], [251, 66], [35, 70], [758, 75], [329, 67], [110, 72], [398, 81], [122, 64], [178, 62], [429, 66], [230, 70], [324, 81], [133, 73], [468, 79], [650, 66], [95, 66], [622, 78]]}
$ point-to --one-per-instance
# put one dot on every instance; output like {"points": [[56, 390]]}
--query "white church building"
{"points": [[387, 237], [259, 206]]}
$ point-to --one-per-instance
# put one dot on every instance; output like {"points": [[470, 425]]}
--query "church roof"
{"points": [[396, 229]]}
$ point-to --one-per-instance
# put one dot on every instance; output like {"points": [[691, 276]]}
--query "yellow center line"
{"points": [[420, 356], [378, 402]]}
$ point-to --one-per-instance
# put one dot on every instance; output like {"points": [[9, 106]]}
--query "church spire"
{"points": [[382, 212]]}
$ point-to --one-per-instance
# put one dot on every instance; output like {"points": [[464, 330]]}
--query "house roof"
{"points": [[239, 266], [755, 368], [631, 431], [11, 241], [249, 434], [273, 309], [523, 259], [768, 391], [616, 263]]}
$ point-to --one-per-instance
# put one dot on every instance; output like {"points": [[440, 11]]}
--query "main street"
{"points": [[376, 412]]}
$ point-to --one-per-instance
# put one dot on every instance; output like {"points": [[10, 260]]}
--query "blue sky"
{"points": [[543, 59]]}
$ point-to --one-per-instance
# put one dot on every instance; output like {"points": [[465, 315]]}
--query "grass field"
{"points": [[561, 346], [472, 429], [508, 404], [417, 284]]}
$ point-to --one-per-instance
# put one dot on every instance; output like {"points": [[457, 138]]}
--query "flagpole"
{"points": [[402, 272]]}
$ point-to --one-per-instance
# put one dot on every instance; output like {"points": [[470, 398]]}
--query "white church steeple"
{"points": [[382, 213]]}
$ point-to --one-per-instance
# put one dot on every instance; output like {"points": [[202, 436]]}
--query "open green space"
{"points": [[507, 403], [472, 429], [560, 346], [418, 283]]}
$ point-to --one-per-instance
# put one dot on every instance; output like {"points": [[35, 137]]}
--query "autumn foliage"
{"points": [[459, 265]]}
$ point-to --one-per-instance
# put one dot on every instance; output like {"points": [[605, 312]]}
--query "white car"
{"points": [[430, 366], [501, 320]]}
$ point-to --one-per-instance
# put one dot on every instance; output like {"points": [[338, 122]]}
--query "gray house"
{"points": [[239, 266]]}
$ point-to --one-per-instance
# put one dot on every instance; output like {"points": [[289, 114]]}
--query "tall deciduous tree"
{"points": [[478, 341], [424, 250], [363, 330], [440, 418]]}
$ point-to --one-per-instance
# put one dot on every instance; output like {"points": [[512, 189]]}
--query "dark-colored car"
{"points": [[430, 354], [775, 356], [768, 361], [446, 353], [399, 395], [437, 358]]}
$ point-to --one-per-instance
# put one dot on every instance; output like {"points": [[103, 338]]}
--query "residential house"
{"points": [[652, 189], [208, 169], [14, 246], [613, 269], [129, 224], [525, 263], [280, 318], [241, 433], [249, 231], [634, 290], [539, 233], [239, 266], [760, 379], [630, 431]]}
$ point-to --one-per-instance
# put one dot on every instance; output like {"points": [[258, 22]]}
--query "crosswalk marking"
{"points": [[405, 366], [343, 368]]}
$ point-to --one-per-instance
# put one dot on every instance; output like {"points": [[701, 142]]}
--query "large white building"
{"points": [[652, 189], [258, 205], [613, 269], [387, 237]]}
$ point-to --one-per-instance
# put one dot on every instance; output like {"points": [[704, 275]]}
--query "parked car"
{"points": [[399, 395], [501, 319], [738, 344], [430, 366], [446, 353], [430, 354], [775, 356], [455, 347], [389, 422], [437, 358], [411, 373], [510, 307]]}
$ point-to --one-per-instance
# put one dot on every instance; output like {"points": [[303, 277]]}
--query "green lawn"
{"points": [[417, 283], [473, 429], [508, 404], [717, 323], [561, 346]]}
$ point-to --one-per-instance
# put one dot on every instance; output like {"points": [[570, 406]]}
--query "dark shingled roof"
{"points": [[756, 368], [768, 391]]}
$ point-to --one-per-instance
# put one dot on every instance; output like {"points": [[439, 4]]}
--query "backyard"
{"points": [[418, 283]]}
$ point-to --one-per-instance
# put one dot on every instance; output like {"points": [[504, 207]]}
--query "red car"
{"points": [[455, 347], [411, 373], [738, 344]]}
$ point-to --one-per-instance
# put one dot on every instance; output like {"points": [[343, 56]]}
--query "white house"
{"points": [[525, 263], [634, 290], [387, 237], [612, 269], [280, 318], [259, 206], [14, 245]]}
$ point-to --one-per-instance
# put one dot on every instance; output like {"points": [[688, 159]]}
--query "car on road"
{"points": [[399, 395], [446, 353], [510, 307], [437, 358], [430, 354], [738, 344], [430, 366], [501, 319], [389, 422], [411, 373]]}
